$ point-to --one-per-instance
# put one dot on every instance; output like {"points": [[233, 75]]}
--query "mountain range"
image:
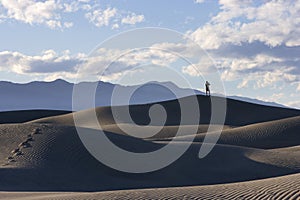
{"points": [[57, 95]]}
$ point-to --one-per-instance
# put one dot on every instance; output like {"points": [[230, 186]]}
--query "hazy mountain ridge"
{"points": [[57, 95]]}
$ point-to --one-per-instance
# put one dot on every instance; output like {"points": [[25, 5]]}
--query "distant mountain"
{"points": [[57, 95]]}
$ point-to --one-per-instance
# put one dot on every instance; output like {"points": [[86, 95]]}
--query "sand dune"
{"points": [[282, 157], [57, 148], [165, 132], [45, 159], [286, 187], [27, 115], [265, 135], [238, 113]]}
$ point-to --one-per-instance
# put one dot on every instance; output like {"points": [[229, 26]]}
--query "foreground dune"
{"points": [[281, 188], [255, 157], [56, 156]]}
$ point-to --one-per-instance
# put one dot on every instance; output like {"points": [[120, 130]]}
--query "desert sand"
{"points": [[256, 157]]}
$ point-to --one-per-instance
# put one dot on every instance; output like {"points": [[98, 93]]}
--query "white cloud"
{"points": [[298, 87], [256, 71], [33, 12], [68, 24], [226, 4], [53, 24], [71, 7], [46, 63], [261, 78], [253, 42], [133, 19], [191, 70], [77, 5], [113, 62], [199, 1], [61, 75], [115, 26], [203, 67], [101, 17], [244, 83], [248, 64], [52, 12], [53, 65], [113, 17], [260, 72], [273, 23]]}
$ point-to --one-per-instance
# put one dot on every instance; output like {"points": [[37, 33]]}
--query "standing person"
{"points": [[207, 84]]}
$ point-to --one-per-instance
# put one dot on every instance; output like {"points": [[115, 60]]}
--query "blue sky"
{"points": [[255, 45], [83, 36]]}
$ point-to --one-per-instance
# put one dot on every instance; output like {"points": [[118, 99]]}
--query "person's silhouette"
{"points": [[207, 90]]}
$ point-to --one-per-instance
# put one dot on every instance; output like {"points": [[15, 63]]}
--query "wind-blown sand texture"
{"points": [[286, 187], [256, 157]]}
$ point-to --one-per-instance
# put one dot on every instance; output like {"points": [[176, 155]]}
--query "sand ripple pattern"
{"points": [[280, 188]]}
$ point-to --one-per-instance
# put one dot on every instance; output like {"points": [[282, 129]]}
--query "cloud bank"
{"points": [[52, 13], [255, 43]]}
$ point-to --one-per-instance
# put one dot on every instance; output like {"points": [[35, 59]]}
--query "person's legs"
{"points": [[207, 92]]}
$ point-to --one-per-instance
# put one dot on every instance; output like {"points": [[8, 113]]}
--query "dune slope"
{"points": [[255, 157], [238, 113], [280, 188], [265, 135], [57, 161], [28, 115]]}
